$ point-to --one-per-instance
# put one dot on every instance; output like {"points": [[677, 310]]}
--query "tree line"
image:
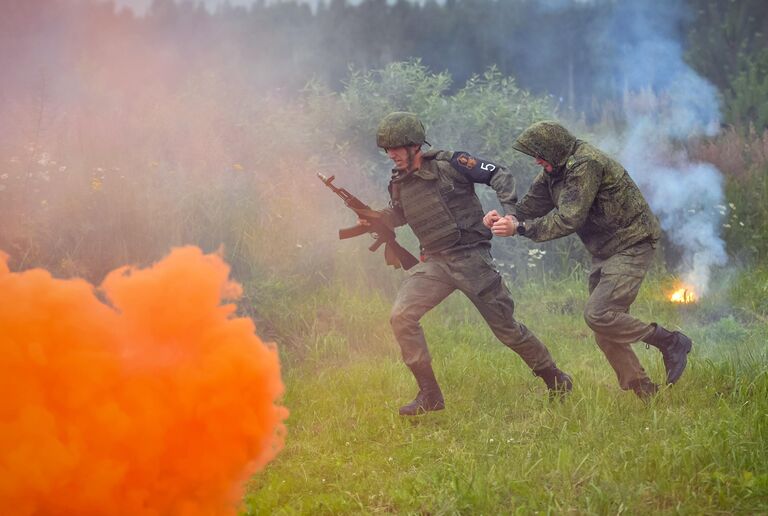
{"points": [[550, 48]]}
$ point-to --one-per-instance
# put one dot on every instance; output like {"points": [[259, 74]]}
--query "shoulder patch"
{"points": [[476, 169]]}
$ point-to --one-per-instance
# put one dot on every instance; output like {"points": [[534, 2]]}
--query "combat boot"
{"points": [[674, 347], [429, 397], [558, 383], [644, 388]]}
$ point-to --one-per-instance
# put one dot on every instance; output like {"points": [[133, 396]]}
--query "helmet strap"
{"points": [[412, 151]]}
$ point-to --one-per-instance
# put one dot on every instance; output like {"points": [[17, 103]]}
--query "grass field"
{"points": [[500, 447]]}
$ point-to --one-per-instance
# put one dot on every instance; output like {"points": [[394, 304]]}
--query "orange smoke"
{"points": [[162, 403]]}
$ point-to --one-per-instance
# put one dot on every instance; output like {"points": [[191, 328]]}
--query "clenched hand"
{"points": [[504, 226]]}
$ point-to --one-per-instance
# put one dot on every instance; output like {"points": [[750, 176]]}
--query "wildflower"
{"points": [[531, 264], [62, 168], [96, 184], [238, 167], [733, 206], [727, 226], [741, 224], [3, 176]]}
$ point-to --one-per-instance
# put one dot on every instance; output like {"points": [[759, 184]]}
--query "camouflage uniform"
{"points": [[437, 200], [439, 203], [591, 194]]}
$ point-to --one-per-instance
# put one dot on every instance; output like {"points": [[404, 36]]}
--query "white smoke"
{"points": [[666, 101]]}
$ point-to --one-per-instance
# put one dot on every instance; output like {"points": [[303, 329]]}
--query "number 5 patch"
{"points": [[476, 169]]}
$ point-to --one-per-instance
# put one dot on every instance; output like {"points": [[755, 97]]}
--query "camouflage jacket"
{"points": [[588, 193], [456, 173]]}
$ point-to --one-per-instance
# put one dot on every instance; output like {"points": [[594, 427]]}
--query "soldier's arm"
{"points": [[503, 183], [576, 198], [498, 177], [537, 202]]}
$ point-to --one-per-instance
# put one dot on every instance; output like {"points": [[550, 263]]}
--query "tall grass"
{"points": [[701, 447]]}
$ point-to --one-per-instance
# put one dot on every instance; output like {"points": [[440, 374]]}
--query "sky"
{"points": [[140, 6]]}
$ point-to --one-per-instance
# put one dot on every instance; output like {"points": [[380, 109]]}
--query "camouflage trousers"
{"points": [[613, 286], [472, 272]]}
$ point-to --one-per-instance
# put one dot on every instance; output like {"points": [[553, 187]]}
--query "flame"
{"points": [[158, 402], [684, 295]]}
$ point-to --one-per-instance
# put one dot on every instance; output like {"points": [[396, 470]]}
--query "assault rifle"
{"points": [[394, 253]]}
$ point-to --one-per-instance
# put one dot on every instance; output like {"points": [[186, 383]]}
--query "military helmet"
{"points": [[399, 129]]}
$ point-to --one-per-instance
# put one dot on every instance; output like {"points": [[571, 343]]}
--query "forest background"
{"points": [[123, 136]]}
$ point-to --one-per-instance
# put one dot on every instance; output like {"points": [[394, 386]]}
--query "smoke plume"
{"points": [[665, 101], [158, 401]]}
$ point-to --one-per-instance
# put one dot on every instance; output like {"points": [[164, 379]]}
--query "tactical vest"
{"points": [[440, 205]]}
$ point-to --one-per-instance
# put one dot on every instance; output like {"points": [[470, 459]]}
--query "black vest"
{"points": [[440, 204]]}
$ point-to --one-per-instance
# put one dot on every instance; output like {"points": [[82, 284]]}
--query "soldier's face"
{"points": [[546, 165], [399, 156]]}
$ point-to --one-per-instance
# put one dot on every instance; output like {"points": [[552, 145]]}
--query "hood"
{"points": [[547, 140]]}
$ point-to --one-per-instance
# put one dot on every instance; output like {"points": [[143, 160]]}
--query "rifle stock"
{"points": [[407, 260]]}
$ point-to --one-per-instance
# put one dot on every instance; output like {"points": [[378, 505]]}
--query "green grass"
{"points": [[501, 447]]}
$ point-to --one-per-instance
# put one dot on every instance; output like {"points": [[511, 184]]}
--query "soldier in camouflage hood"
{"points": [[584, 191], [434, 193]]}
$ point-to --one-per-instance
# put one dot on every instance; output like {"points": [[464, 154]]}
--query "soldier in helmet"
{"points": [[434, 193], [584, 191]]}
